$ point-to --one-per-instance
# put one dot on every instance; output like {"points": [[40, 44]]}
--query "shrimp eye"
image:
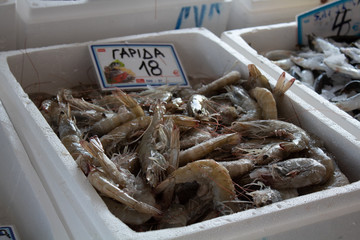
{"points": [[265, 157]]}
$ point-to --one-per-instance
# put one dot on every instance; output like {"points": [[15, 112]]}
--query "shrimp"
{"points": [[265, 196], [175, 216], [297, 138], [291, 173], [199, 107], [238, 167], [111, 101], [319, 155], [194, 136], [126, 214], [130, 103], [266, 101], [183, 121], [70, 136], [256, 78], [282, 86], [161, 93], [266, 152], [51, 110], [106, 186], [127, 159], [105, 125], [228, 79], [150, 149], [117, 175], [337, 179], [209, 174], [64, 96], [201, 150], [124, 132], [120, 178], [239, 97], [89, 117]]}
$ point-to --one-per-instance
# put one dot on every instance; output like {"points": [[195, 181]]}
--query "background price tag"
{"points": [[337, 18], [137, 65]]}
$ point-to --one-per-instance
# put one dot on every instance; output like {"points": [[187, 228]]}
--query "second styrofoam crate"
{"points": [[202, 54], [26, 210], [253, 42], [44, 23]]}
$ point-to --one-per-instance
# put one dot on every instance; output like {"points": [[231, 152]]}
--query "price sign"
{"points": [[137, 65], [339, 18]]}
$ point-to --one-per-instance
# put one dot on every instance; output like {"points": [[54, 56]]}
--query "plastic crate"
{"points": [[202, 54]]}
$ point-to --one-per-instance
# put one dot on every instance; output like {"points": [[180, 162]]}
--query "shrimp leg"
{"points": [[100, 181]]}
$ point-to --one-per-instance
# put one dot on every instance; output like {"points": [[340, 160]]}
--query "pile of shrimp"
{"points": [[169, 157], [330, 66]]}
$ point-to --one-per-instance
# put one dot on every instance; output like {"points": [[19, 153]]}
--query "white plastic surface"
{"points": [[250, 13], [44, 23], [24, 203], [202, 54], [252, 42], [7, 25]]}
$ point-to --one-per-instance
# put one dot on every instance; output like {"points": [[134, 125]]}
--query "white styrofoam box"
{"points": [[44, 23], [7, 25], [254, 41], [202, 54], [250, 13], [25, 205]]}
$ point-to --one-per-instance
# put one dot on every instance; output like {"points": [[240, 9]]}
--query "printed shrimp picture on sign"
{"points": [[137, 65]]}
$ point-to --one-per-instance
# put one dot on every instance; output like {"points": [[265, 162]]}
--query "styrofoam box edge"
{"points": [[23, 197], [272, 40], [82, 207]]}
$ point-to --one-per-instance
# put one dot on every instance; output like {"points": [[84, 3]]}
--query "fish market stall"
{"points": [[233, 208]]}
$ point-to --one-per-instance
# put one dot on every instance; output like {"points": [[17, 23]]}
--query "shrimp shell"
{"points": [[100, 182], [266, 101], [121, 133], [107, 124], [201, 150], [238, 167], [228, 79], [205, 172], [256, 78], [291, 173], [130, 103], [297, 138]]}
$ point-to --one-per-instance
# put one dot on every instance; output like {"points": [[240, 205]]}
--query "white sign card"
{"points": [[133, 65], [339, 18]]}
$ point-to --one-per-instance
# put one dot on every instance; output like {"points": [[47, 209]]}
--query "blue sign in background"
{"points": [[337, 18]]}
